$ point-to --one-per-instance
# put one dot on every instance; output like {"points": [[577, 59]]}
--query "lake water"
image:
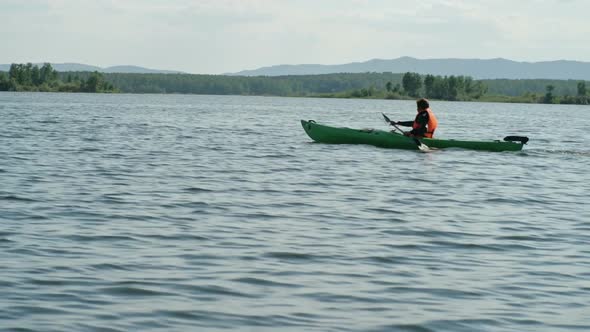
{"points": [[193, 213]]}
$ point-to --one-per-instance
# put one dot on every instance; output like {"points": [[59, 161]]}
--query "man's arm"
{"points": [[405, 123]]}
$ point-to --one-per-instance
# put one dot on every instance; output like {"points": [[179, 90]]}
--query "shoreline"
{"points": [[488, 99]]}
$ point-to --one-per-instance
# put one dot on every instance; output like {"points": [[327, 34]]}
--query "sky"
{"points": [[222, 36]]}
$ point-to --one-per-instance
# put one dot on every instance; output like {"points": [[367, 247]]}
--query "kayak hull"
{"points": [[334, 135]]}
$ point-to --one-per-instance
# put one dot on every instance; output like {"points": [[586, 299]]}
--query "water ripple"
{"points": [[156, 212]]}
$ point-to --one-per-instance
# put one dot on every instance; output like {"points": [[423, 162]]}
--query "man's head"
{"points": [[422, 104]]}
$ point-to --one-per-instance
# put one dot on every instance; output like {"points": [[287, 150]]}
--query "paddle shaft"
{"points": [[391, 123], [396, 127]]}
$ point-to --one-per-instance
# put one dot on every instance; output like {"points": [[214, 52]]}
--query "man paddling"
{"points": [[425, 122]]}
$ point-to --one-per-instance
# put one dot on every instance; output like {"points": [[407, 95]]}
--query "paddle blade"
{"points": [[386, 118], [421, 146]]}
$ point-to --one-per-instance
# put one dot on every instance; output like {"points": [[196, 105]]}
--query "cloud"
{"points": [[215, 36]]}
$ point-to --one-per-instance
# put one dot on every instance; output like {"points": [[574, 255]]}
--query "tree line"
{"points": [[29, 77], [581, 97], [465, 88], [443, 87], [535, 91], [292, 86]]}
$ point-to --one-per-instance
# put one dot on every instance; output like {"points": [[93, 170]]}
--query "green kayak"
{"points": [[385, 139]]}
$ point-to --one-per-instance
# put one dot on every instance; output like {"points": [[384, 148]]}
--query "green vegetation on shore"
{"points": [[413, 86], [28, 77], [461, 88]]}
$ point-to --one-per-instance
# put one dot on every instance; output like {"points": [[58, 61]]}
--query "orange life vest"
{"points": [[431, 126]]}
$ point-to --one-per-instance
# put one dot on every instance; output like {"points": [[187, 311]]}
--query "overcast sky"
{"points": [[219, 36]]}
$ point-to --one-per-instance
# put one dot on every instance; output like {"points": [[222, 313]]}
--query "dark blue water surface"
{"points": [[190, 213]]}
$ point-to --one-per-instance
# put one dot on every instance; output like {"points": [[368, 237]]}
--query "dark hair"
{"points": [[422, 103]]}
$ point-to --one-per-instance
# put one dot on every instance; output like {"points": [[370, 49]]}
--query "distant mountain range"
{"points": [[113, 69], [476, 68]]}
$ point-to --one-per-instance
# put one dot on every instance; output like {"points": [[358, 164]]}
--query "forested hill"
{"points": [[305, 85], [476, 68], [77, 67]]}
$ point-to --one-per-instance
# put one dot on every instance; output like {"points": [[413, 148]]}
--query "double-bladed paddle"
{"points": [[421, 146]]}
